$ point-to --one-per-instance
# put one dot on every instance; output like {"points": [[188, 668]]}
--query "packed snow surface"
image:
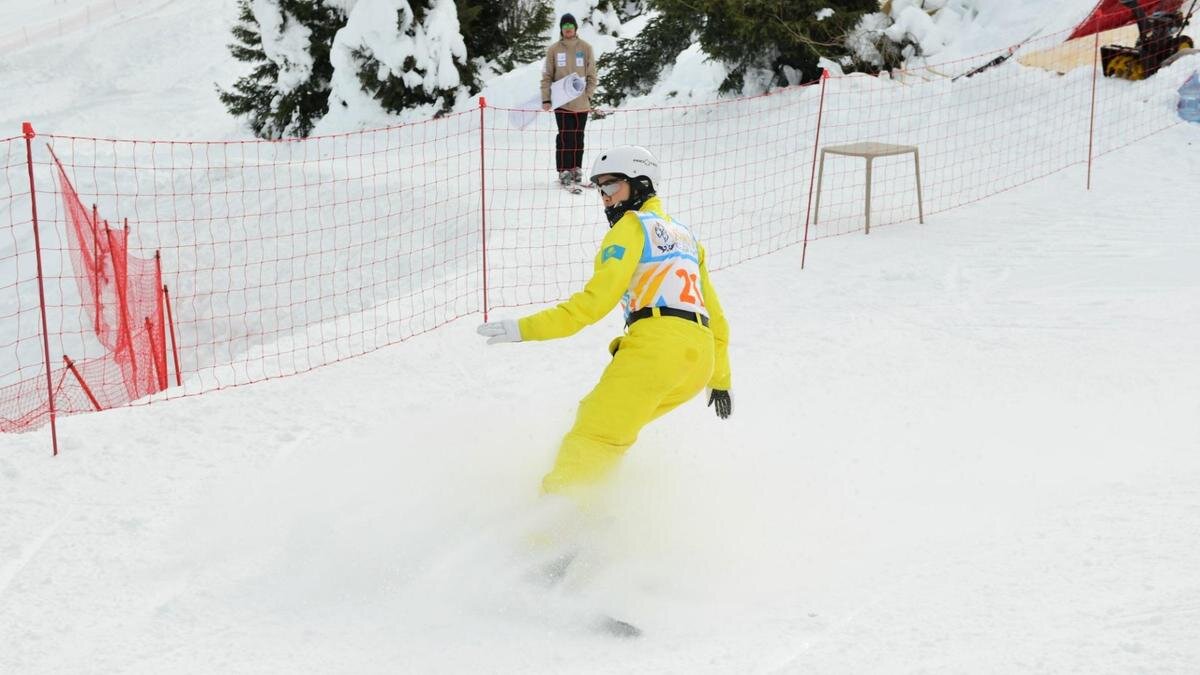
{"points": [[964, 446]]}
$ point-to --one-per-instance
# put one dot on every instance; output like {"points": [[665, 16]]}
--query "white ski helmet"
{"points": [[628, 160]]}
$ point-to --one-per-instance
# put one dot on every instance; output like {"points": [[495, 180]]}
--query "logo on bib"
{"points": [[662, 241]]}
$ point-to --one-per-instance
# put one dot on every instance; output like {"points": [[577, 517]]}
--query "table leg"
{"points": [[868, 228], [920, 201], [820, 178]]}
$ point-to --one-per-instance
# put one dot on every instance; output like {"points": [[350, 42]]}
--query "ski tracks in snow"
{"points": [[9, 572], [1005, 591]]}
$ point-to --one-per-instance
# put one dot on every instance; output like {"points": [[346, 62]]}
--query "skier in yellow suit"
{"points": [[676, 337]]}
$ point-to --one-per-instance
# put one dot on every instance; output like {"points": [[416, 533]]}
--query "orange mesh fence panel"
{"points": [[120, 294], [284, 256], [280, 257], [23, 395]]}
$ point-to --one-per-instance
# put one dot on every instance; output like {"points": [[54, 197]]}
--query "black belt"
{"points": [[666, 311]]}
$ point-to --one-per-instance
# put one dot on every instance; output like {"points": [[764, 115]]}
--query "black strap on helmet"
{"points": [[640, 189]]}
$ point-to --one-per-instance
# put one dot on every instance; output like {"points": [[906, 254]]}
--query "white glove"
{"points": [[500, 331]]}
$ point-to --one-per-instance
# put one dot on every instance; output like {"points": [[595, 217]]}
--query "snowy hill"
{"points": [[963, 446], [144, 69]]}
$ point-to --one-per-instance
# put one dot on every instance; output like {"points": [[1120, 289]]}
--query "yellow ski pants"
{"points": [[662, 362]]}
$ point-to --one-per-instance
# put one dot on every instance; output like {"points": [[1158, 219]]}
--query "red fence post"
{"points": [[159, 376], [96, 264], [174, 344], [86, 389], [1092, 125], [160, 368], [813, 172], [27, 131], [483, 203], [120, 275]]}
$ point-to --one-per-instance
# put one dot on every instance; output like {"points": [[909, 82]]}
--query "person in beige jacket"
{"points": [[569, 55]]}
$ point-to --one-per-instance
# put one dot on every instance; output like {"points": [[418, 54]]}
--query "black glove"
{"points": [[723, 403]]}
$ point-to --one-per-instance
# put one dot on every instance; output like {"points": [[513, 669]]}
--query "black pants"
{"points": [[569, 143]]}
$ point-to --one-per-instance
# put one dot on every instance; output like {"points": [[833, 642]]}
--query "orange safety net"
{"points": [[122, 300]]}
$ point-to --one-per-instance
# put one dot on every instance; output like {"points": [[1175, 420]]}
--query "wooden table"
{"points": [[870, 150]]}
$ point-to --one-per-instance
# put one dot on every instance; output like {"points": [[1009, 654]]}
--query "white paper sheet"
{"points": [[562, 92]]}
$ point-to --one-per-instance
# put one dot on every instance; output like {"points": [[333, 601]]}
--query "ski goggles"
{"points": [[609, 188], [568, 26]]}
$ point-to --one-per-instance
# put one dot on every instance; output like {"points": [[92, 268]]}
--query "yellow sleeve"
{"points": [[721, 378], [615, 264]]}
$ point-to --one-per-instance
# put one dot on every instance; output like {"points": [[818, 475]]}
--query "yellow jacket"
{"points": [[609, 281]]}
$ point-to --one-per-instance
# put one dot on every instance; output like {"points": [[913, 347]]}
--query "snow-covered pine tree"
{"points": [[762, 43], [625, 9], [372, 57], [403, 54], [440, 48], [633, 68], [287, 41], [902, 31], [507, 33], [872, 48], [767, 44]]}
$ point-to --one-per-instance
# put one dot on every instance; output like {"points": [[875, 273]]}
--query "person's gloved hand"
{"points": [[721, 401], [505, 330]]}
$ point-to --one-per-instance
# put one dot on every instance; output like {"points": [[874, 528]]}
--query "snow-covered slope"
{"points": [[967, 446]]}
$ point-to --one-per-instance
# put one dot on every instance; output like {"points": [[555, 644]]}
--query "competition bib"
{"points": [[579, 59], [668, 273], [560, 59]]}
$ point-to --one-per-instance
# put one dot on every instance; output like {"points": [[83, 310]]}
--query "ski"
{"points": [[998, 60], [550, 574], [617, 628], [572, 188]]}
